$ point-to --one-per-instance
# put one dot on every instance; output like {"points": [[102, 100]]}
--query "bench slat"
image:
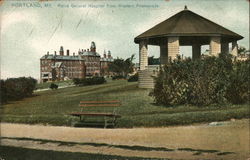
{"points": [[94, 114], [99, 105], [99, 102]]}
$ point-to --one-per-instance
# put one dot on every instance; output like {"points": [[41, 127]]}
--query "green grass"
{"points": [[138, 109], [59, 83], [15, 153]]}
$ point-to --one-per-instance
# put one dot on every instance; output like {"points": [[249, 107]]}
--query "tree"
{"points": [[241, 50], [153, 61], [53, 86], [122, 67]]}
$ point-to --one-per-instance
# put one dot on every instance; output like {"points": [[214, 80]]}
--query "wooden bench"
{"points": [[102, 111]]}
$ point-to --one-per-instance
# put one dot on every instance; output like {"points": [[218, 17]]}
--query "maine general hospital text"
{"points": [[81, 5]]}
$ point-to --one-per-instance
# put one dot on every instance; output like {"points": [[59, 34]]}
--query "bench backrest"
{"points": [[100, 105]]}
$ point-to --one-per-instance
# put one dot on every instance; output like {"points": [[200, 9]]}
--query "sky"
{"points": [[30, 28]]}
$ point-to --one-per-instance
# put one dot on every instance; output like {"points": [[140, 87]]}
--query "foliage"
{"points": [[17, 88], [212, 80], [118, 77], [153, 61], [89, 81], [241, 50], [238, 90], [121, 66], [53, 86], [133, 78]]}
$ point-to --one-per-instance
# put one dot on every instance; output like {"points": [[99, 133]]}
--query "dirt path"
{"points": [[232, 136]]}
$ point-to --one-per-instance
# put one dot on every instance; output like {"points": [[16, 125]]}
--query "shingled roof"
{"points": [[187, 23]]}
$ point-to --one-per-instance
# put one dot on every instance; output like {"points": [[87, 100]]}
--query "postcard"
{"points": [[124, 80]]}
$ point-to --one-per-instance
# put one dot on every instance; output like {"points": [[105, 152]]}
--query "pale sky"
{"points": [[29, 31]]}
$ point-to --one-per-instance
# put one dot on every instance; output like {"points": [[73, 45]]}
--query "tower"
{"points": [[61, 51], [93, 47], [109, 54]]}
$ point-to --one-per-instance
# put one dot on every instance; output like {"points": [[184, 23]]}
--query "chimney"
{"points": [[104, 54], [67, 52], [61, 51], [55, 53], [84, 50], [74, 54], [48, 53], [88, 50]]}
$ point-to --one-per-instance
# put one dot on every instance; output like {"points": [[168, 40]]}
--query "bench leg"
{"points": [[105, 122]]}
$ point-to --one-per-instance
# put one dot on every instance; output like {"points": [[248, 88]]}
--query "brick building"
{"points": [[104, 62], [92, 60], [61, 67]]}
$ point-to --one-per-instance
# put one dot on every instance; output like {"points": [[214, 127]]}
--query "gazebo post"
{"points": [[215, 45], [225, 47], [173, 47], [234, 48], [143, 54], [163, 54], [196, 51]]}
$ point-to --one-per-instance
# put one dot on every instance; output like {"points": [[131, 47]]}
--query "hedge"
{"points": [[17, 88], [89, 81], [211, 80]]}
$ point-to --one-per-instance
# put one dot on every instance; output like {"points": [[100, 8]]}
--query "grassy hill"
{"points": [[138, 109]]}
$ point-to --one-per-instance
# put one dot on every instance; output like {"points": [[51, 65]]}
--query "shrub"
{"points": [[238, 89], [118, 77], [77, 81], [212, 80], [3, 97], [133, 78], [17, 88], [89, 81], [53, 86]]}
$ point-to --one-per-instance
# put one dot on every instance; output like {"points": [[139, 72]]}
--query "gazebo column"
{"points": [[173, 47], [163, 54], [196, 51], [143, 55], [234, 48], [225, 47], [215, 46]]}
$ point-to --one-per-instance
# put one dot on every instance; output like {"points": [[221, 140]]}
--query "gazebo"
{"points": [[185, 28]]}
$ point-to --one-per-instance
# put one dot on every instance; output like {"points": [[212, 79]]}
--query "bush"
{"points": [[77, 81], [133, 78], [238, 89], [118, 77], [53, 86], [17, 88], [89, 81], [212, 80]]}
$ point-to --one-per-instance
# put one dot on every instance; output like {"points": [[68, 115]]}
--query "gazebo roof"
{"points": [[189, 24]]}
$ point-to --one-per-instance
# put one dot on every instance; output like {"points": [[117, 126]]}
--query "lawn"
{"points": [[59, 83], [138, 109]]}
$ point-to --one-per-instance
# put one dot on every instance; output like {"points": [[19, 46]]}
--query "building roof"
{"points": [[107, 59], [89, 53], [59, 57], [187, 23]]}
